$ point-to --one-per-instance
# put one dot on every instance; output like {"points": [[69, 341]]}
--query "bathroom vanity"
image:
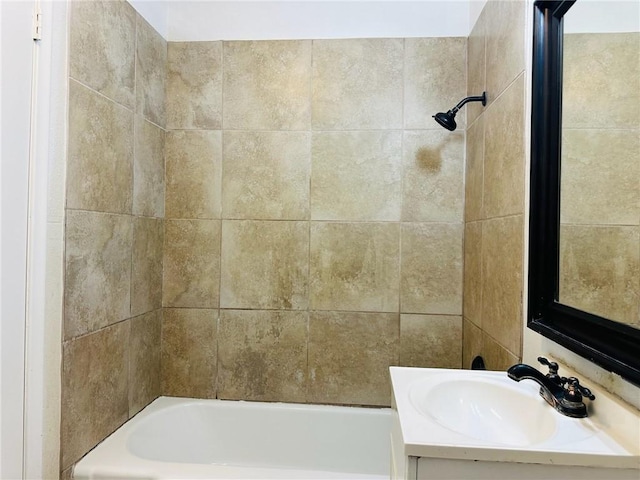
{"points": [[462, 424]]}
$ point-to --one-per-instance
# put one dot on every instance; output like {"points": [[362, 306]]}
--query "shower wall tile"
{"points": [[262, 355], [189, 350], [472, 293], [600, 270], [476, 66], [97, 271], [471, 343], [505, 44], [266, 175], [435, 79], [357, 84], [474, 174], [433, 176], [266, 85], [356, 175], [431, 266], [502, 280], [194, 85], [600, 177], [504, 154], [102, 41], [146, 265], [148, 169], [191, 263], [193, 174], [355, 266], [349, 357], [95, 385], [151, 72], [100, 153], [265, 265], [431, 341], [601, 80], [144, 363], [496, 356]]}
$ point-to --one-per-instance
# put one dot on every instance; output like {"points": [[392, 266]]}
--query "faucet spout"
{"points": [[552, 389]]}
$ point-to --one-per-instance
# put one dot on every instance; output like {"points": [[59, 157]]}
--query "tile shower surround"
{"points": [[313, 217], [281, 277]]}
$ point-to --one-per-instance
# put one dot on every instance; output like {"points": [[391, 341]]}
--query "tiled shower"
{"points": [[283, 220]]}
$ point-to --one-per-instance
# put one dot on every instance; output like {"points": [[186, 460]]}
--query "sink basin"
{"points": [[486, 409], [484, 415]]}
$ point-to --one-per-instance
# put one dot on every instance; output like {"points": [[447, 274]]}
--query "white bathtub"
{"points": [[178, 438]]}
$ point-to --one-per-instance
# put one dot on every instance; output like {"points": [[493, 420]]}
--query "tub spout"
{"points": [[566, 400]]}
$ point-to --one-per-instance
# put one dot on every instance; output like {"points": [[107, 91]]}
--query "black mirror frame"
{"points": [[613, 346]]}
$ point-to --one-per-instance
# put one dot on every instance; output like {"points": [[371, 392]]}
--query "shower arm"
{"points": [[479, 98]]}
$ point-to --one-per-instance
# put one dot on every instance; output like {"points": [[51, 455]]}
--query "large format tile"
{"points": [[476, 65], [435, 79], [100, 153], [431, 266], [266, 175], [505, 27], [600, 270], [356, 176], [349, 357], [471, 343], [102, 39], [189, 362], [265, 265], [431, 341], [191, 263], [266, 85], [262, 355], [601, 80], [357, 84], [433, 176], [504, 153], [355, 266], [97, 271], [148, 169], [496, 356], [151, 72], [193, 174], [472, 290], [194, 85], [502, 280], [146, 265], [600, 177], [95, 384], [474, 172], [144, 367]]}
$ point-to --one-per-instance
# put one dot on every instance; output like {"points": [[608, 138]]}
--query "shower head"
{"points": [[448, 120]]}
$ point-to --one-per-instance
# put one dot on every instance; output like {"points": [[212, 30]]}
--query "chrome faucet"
{"points": [[563, 394]]}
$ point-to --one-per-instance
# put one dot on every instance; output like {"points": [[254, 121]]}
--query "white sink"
{"points": [[485, 409], [483, 415]]}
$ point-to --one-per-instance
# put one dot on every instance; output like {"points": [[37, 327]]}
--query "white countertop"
{"points": [[574, 441]]}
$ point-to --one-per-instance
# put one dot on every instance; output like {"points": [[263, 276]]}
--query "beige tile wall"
{"points": [[314, 217], [114, 223], [494, 187], [600, 203]]}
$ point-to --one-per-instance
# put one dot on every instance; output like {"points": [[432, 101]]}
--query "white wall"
{"points": [[596, 16], [185, 20]]}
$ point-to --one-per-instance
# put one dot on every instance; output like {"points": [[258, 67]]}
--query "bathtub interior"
{"points": [[236, 439]]}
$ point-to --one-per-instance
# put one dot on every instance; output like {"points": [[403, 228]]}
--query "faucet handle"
{"points": [[575, 391], [553, 366]]}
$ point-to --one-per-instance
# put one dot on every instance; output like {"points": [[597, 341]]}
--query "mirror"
{"points": [[584, 240], [600, 160]]}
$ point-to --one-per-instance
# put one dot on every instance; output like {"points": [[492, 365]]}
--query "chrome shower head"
{"points": [[447, 120]]}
